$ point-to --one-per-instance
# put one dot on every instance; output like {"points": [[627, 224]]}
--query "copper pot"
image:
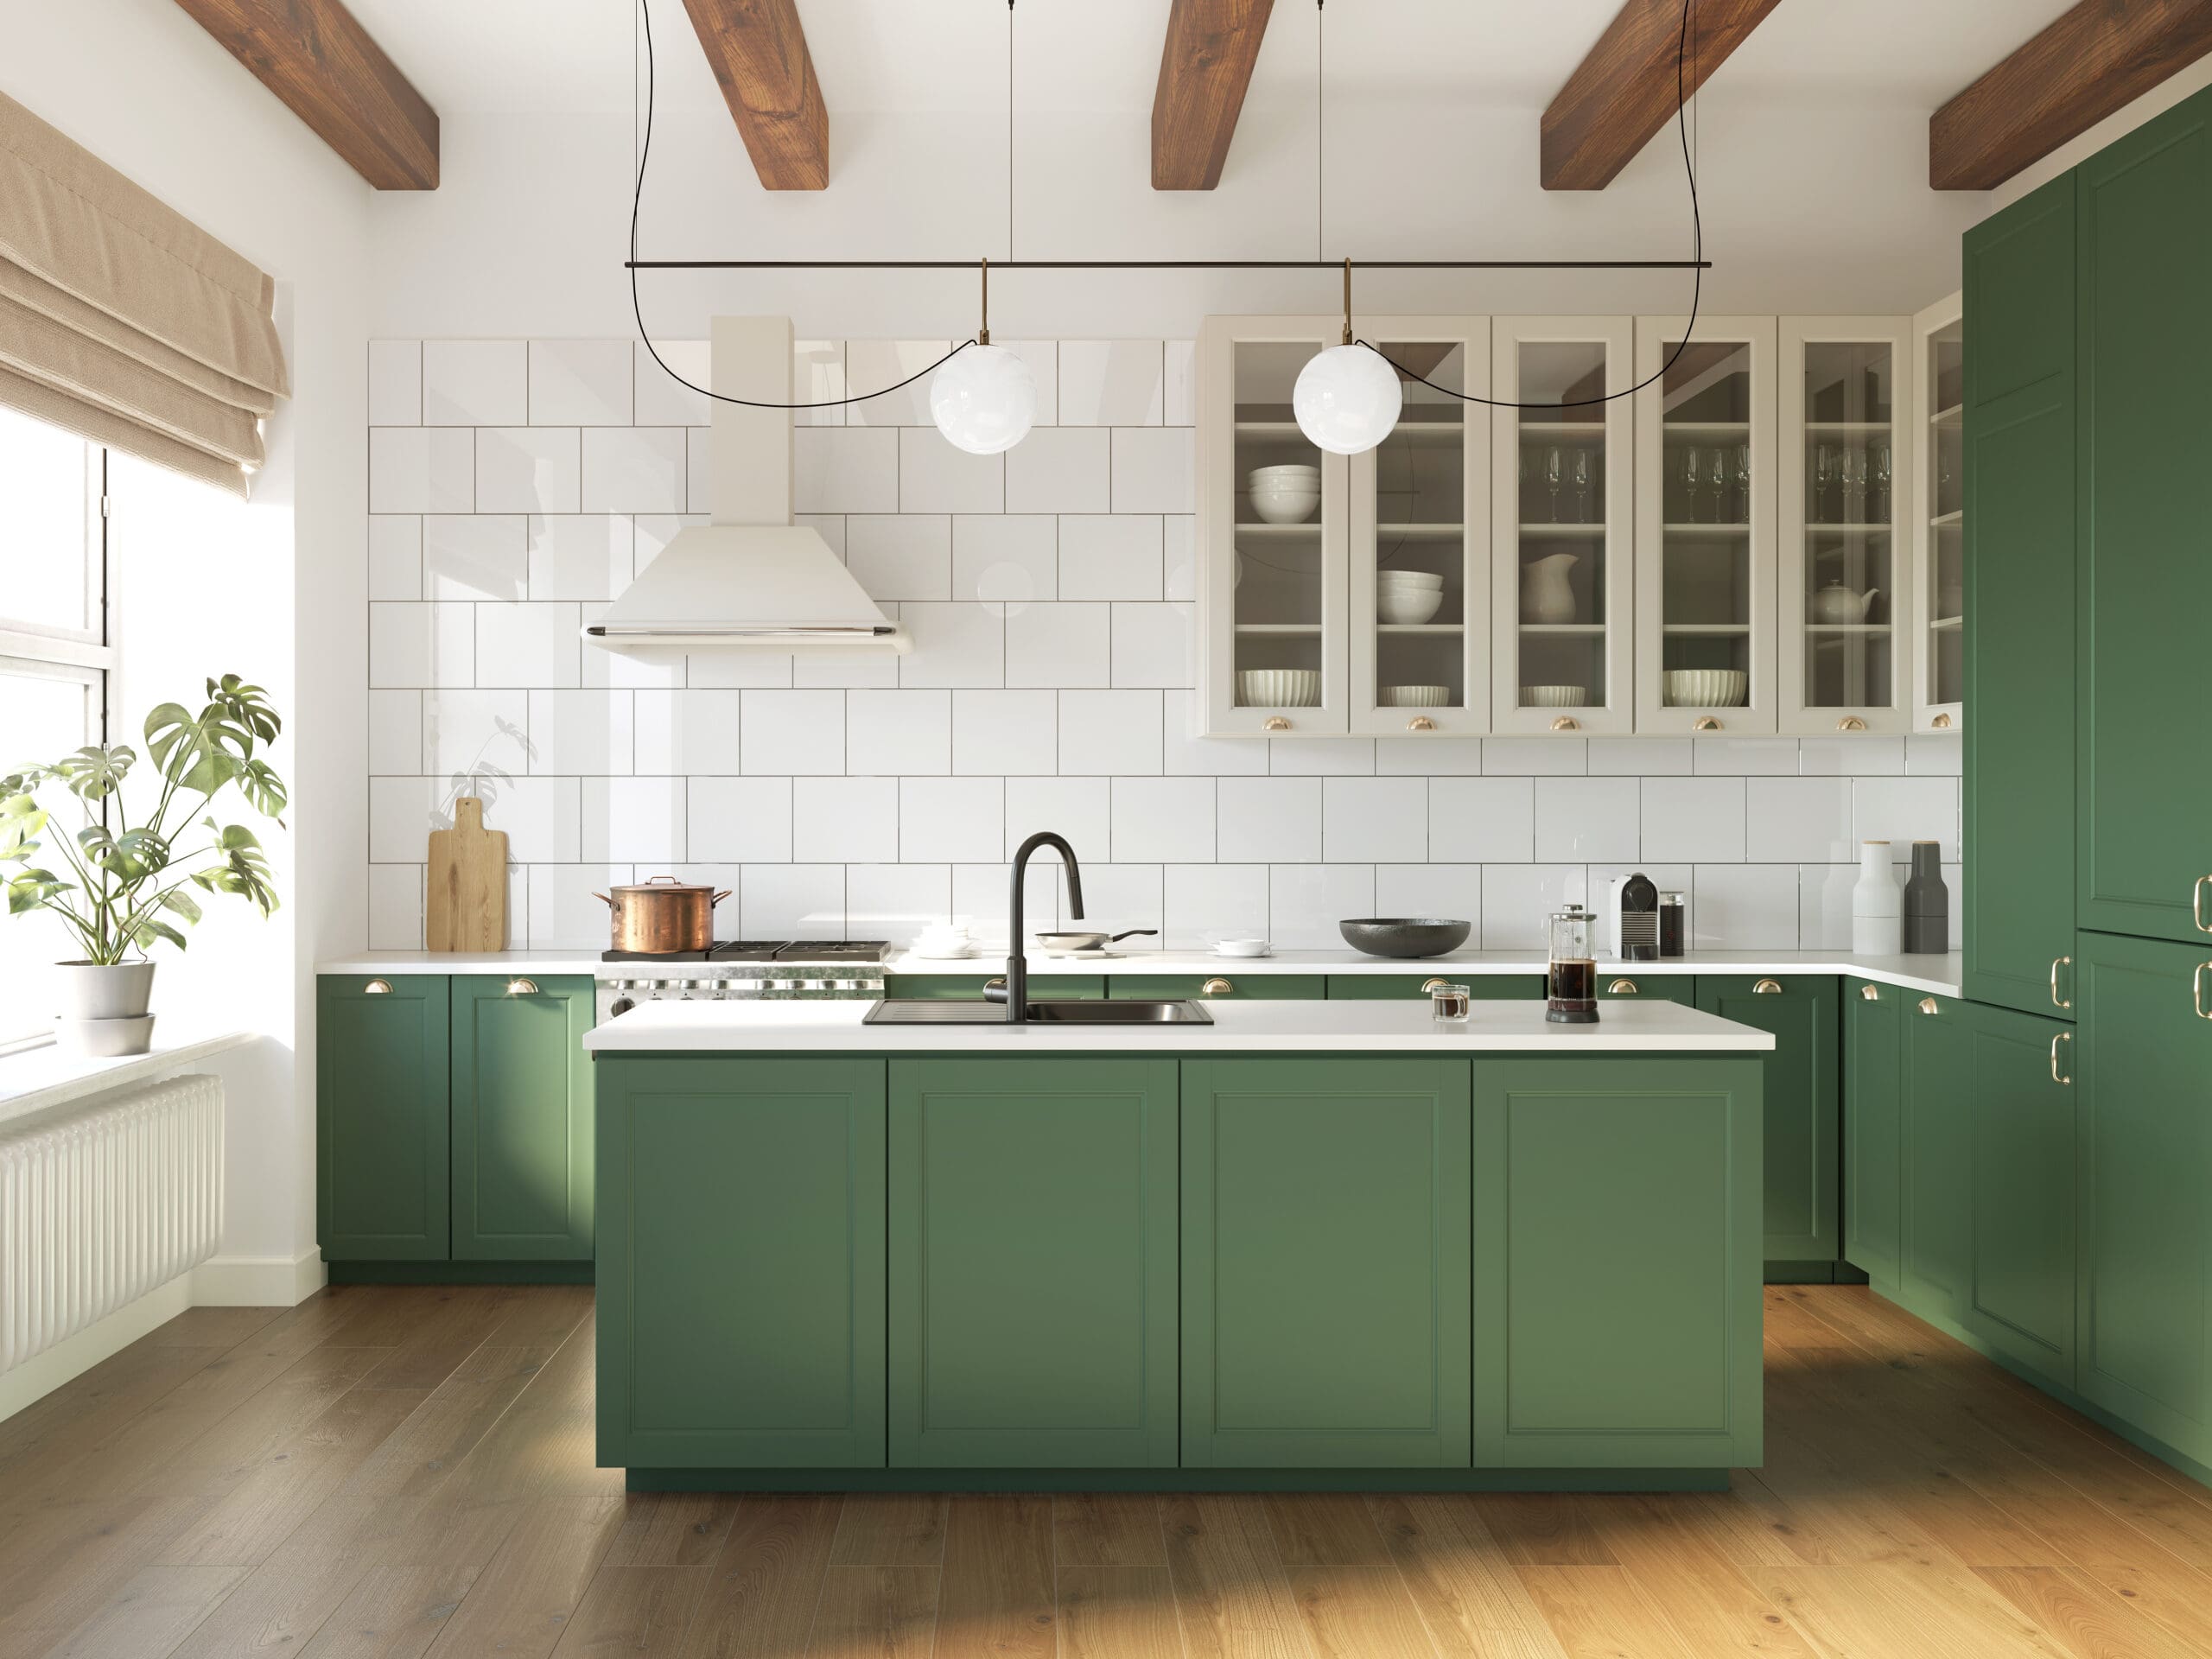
{"points": [[661, 915]]}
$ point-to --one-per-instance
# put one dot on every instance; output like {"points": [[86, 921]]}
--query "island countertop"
{"points": [[1269, 1026]]}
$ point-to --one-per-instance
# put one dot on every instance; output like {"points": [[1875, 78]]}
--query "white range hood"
{"points": [[752, 580]]}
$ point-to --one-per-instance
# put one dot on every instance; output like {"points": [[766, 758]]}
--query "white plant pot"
{"points": [[91, 991], [106, 1040]]}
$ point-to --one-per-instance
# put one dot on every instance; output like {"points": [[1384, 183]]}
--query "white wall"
{"points": [[277, 585]]}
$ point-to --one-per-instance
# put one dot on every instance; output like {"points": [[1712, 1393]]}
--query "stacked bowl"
{"points": [[1278, 688], [1407, 596], [1284, 495]]}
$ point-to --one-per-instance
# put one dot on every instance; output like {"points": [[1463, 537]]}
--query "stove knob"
{"points": [[620, 1005]]}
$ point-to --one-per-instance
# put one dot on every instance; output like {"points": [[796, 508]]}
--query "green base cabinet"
{"points": [[1223, 986], [2144, 1075], [1326, 1264], [382, 1126], [522, 1121], [1617, 1239], [1384, 988], [2021, 1137], [1618, 982], [741, 1263], [1873, 1146], [969, 987], [1801, 1089], [1033, 1250], [1936, 1246]]}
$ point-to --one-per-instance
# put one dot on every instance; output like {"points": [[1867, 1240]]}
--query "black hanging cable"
{"points": [[1697, 281], [645, 10]]}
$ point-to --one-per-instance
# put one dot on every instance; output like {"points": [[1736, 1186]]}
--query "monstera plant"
{"points": [[121, 884]]}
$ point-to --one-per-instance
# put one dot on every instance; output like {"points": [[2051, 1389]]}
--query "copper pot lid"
{"points": [[669, 884]]}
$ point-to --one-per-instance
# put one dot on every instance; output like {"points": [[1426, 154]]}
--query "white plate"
{"points": [[922, 956], [1082, 956], [1228, 954]]}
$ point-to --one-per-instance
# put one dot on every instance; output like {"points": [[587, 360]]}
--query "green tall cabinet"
{"points": [[522, 1120], [1326, 1264], [1033, 1240], [2019, 443], [2020, 1150], [382, 1145], [1803, 1237]]}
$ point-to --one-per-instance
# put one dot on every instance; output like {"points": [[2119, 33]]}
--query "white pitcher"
{"points": [[1545, 595]]}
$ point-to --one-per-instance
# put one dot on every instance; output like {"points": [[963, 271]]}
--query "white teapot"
{"points": [[1836, 603]]}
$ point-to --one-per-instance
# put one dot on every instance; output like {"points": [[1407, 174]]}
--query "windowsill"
{"points": [[34, 1079]]}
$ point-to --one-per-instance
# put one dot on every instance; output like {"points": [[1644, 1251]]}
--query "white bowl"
{"points": [[1278, 688], [1288, 469], [1285, 507], [1706, 688], [1252, 947], [1410, 606], [1553, 697], [1416, 696], [1407, 579]]}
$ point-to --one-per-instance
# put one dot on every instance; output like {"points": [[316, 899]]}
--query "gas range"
{"points": [[790, 969]]}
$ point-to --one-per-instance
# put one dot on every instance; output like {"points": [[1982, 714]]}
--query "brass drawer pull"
{"points": [[1428, 986], [1851, 723], [1767, 987], [1871, 993], [1942, 723], [2196, 904], [1567, 723], [2063, 1037], [1421, 723], [1275, 723], [1621, 987], [998, 984], [1705, 724], [2057, 1000], [377, 988], [1218, 988], [1929, 1005], [2197, 990], [522, 987]]}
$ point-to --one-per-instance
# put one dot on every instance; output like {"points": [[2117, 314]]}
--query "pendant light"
{"points": [[983, 399], [1347, 397]]}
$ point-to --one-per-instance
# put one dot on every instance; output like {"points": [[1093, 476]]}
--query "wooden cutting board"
{"points": [[468, 884]]}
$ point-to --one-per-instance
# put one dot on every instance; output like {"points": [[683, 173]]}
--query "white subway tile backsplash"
{"points": [[1111, 382], [793, 733], [1694, 820], [901, 555], [1934, 754], [1206, 902], [1163, 820], [817, 377], [934, 477], [659, 399], [889, 733], [844, 469], [1518, 900], [1057, 644], [1155, 469], [1902, 811], [1182, 382], [1005, 561], [1061, 469], [476, 733], [529, 644], [580, 382], [1585, 820], [1110, 734], [739, 821], [1320, 757], [1535, 757], [951, 820], [542, 817], [1639, 756], [401, 814], [1307, 901], [1482, 820], [872, 365], [1269, 820], [850, 820], [579, 556], [979, 901], [1105, 556], [1868, 755], [1824, 905], [638, 819], [530, 470], [1079, 808], [395, 383], [470, 556], [1119, 897], [1743, 907], [585, 733], [1747, 757], [895, 901], [1187, 754], [564, 911], [396, 906], [475, 383], [422, 644], [1373, 820], [651, 531], [395, 555], [601, 667], [793, 901], [687, 733], [1798, 820], [1452, 891], [1155, 645], [699, 470], [1179, 556], [635, 469], [395, 733], [1429, 757], [954, 645], [1006, 734], [421, 469]]}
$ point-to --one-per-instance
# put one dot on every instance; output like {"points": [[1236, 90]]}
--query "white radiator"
{"points": [[99, 1206]]}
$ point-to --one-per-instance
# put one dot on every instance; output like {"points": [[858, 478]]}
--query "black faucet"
{"points": [[1017, 964]]}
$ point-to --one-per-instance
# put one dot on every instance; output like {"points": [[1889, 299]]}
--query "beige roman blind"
{"points": [[122, 321]]}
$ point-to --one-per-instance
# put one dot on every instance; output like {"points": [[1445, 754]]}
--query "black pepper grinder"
{"points": [[1927, 902]]}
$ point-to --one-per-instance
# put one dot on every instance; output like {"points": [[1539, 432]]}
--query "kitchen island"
{"points": [[1305, 1245]]}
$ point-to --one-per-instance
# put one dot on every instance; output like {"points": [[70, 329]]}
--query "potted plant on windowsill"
{"points": [[131, 879]]}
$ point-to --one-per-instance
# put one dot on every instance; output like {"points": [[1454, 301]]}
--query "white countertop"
{"points": [[1939, 975], [40, 1078], [1270, 1026]]}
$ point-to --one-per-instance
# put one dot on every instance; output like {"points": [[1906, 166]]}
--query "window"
{"points": [[54, 659]]}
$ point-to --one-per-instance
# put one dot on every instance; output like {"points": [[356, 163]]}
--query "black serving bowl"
{"points": [[1404, 936]]}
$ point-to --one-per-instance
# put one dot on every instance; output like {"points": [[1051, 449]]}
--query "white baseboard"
{"points": [[258, 1281], [47, 1370]]}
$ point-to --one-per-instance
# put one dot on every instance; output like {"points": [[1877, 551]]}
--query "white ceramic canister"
{"points": [[1877, 903]]}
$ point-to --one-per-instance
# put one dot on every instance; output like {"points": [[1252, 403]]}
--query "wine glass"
{"points": [[1582, 486], [1552, 474], [1882, 479], [1854, 483], [1823, 476], [1719, 479], [1690, 484], [1744, 483]]}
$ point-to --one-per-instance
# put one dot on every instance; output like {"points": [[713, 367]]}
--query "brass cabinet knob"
{"points": [[2057, 1000], [1218, 988], [1428, 986], [1567, 723], [1705, 724], [1929, 1005], [2196, 904], [1421, 723], [377, 988], [522, 987], [1767, 987], [1942, 723], [1275, 723], [1622, 988], [1851, 723], [1871, 993], [2063, 1037]]}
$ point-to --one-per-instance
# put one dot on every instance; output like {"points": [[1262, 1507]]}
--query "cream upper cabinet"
{"points": [[1561, 541], [1705, 526], [1420, 553], [1938, 521], [1274, 525], [1848, 607]]}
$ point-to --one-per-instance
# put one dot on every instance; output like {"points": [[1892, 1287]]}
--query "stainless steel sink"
{"points": [[1077, 1011]]}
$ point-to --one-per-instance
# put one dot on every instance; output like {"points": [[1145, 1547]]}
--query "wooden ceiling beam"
{"points": [[2093, 59], [1627, 88], [316, 58], [1204, 68], [758, 54]]}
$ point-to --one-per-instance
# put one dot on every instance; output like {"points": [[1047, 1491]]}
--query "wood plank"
{"points": [[1232, 1596], [2083, 1617], [1325, 1529], [156, 1608], [2089, 62], [1713, 1607], [997, 1594], [1790, 1324], [1206, 66], [1631, 82], [758, 52], [631, 1607], [1108, 1529], [328, 71], [891, 1530], [761, 1598], [1597, 1612], [1352, 1612], [875, 1613], [1541, 1529], [1932, 1613], [1466, 1591]]}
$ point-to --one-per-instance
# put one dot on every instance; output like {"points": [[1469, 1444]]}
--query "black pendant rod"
{"points": [[1169, 265]]}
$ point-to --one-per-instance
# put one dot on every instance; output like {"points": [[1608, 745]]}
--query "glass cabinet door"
{"points": [[1939, 522], [1704, 604], [1419, 600], [1274, 527], [1561, 591], [1847, 482]]}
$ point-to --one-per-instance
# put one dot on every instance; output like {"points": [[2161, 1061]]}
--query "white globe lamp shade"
{"points": [[983, 400], [1347, 399]]}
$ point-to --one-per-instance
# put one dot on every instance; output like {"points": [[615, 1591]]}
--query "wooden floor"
{"points": [[384, 1470]]}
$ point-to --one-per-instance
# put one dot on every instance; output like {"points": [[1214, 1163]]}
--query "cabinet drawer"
{"points": [[969, 987], [522, 1120], [1230, 987], [1629, 979], [1483, 987], [384, 1140]]}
